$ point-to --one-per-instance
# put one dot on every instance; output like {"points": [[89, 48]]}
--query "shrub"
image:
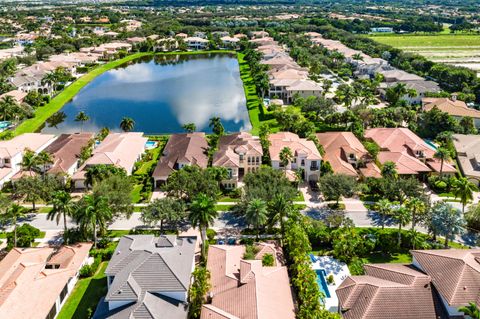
{"points": [[211, 234], [90, 270], [356, 267], [26, 235], [250, 252], [330, 279], [268, 260]]}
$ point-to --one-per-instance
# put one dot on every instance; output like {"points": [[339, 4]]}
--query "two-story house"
{"points": [[196, 43], [181, 150], [149, 277], [239, 153], [305, 155]]}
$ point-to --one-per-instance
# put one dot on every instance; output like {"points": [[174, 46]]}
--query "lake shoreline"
{"points": [[58, 102]]}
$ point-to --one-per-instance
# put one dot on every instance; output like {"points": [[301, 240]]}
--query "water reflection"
{"points": [[161, 95]]}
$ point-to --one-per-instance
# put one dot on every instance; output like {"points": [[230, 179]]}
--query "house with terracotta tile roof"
{"points": [[305, 155], [120, 149], [35, 282], [468, 155], [239, 153], [347, 155], [181, 150], [452, 106], [11, 152], [18, 95], [245, 288], [411, 154], [149, 277], [435, 285], [65, 151]]}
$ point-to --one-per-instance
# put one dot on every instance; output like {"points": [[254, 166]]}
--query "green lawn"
{"points": [[136, 193], [4, 235], [226, 199], [147, 165], [44, 210], [85, 296], [223, 207], [257, 112], [377, 258], [434, 40]]}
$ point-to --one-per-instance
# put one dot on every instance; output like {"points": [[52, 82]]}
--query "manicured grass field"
{"points": [[85, 296], [443, 40], [257, 112]]}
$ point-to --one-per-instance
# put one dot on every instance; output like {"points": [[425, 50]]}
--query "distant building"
{"points": [[149, 277], [468, 155], [36, 282], [382, 30], [196, 43], [452, 106]]}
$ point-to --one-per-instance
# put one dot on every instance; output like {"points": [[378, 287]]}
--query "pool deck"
{"points": [[339, 270]]}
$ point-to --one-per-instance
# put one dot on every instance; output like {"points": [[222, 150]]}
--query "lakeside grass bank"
{"points": [[57, 102]]}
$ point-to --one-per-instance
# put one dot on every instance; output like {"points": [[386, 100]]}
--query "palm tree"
{"points": [[216, 124], [127, 124], [389, 170], [29, 161], [82, 117], [280, 207], [63, 206], [13, 214], [357, 57], [345, 94], [464, 189], [285, 157], [402, 217], [417, 207], [256, 214], [384, 208], [471, 310], [8, 105], [43, 158], [202, 214], [93, 211], [443, 155], [189, 127], [50, 79]]}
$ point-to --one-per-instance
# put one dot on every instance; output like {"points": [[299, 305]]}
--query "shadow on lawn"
{"points": [[97, 288]]}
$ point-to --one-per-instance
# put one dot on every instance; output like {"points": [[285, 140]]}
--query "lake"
{"points": [[160, 94]]}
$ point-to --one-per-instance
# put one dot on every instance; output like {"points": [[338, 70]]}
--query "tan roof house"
{"points": [[452, 106], [246, 289], [468, 155], [65, 151], [11, 152], [239, 153], [18, 95], [181, 150], [411, 154], [35, 282], [305, 155], [119, 149], [347, 155]]}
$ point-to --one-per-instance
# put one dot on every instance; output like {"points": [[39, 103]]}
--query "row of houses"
{"points": [[286, 78], [120, 149]]}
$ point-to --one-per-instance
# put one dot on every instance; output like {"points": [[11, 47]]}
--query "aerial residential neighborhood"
{"points": [[198, 159]]}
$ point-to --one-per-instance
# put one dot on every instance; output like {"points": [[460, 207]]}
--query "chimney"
{"points": [[453, 97]]}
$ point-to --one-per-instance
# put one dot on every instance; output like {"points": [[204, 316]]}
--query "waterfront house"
{"points": [[181, 150], [11, 152], [434, 285], [411, 154], [65, 151], [149, 277], [36, 282], [456, 108], [245, 288], [306, 156], [18, 95], [239, 153], [196, 43], [120, 149], [347, 155]]}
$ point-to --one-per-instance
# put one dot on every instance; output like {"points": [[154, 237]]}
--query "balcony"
{"points": [[314, 168]]}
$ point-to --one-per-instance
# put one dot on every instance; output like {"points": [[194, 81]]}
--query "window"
{"points": [[302, 162], [230, 172], [52, 312], [63, 293], [7, 161]]}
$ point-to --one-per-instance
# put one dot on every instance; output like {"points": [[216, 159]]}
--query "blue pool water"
{"points": [[150, 145], [430, 144], [322, 282], [4, 124]]}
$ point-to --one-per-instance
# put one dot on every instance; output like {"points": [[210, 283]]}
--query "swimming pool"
{"points": [[322, 282], [150, 144], [4, 124]]}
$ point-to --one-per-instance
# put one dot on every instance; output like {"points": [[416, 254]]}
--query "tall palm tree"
{"points": [[417, 207], [471, 310], [345, 94], [63, 206], [127, 124], [443, 155], [50, 79], [464, 189], [389, 170], [43, 158], [82, 117], [13, 214], [8, 105], [202, 214], [402, 217], [216, 124], [29, 161], [285, 157], [256, 214], [93, 211], [384, 208], [280, 207]]}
